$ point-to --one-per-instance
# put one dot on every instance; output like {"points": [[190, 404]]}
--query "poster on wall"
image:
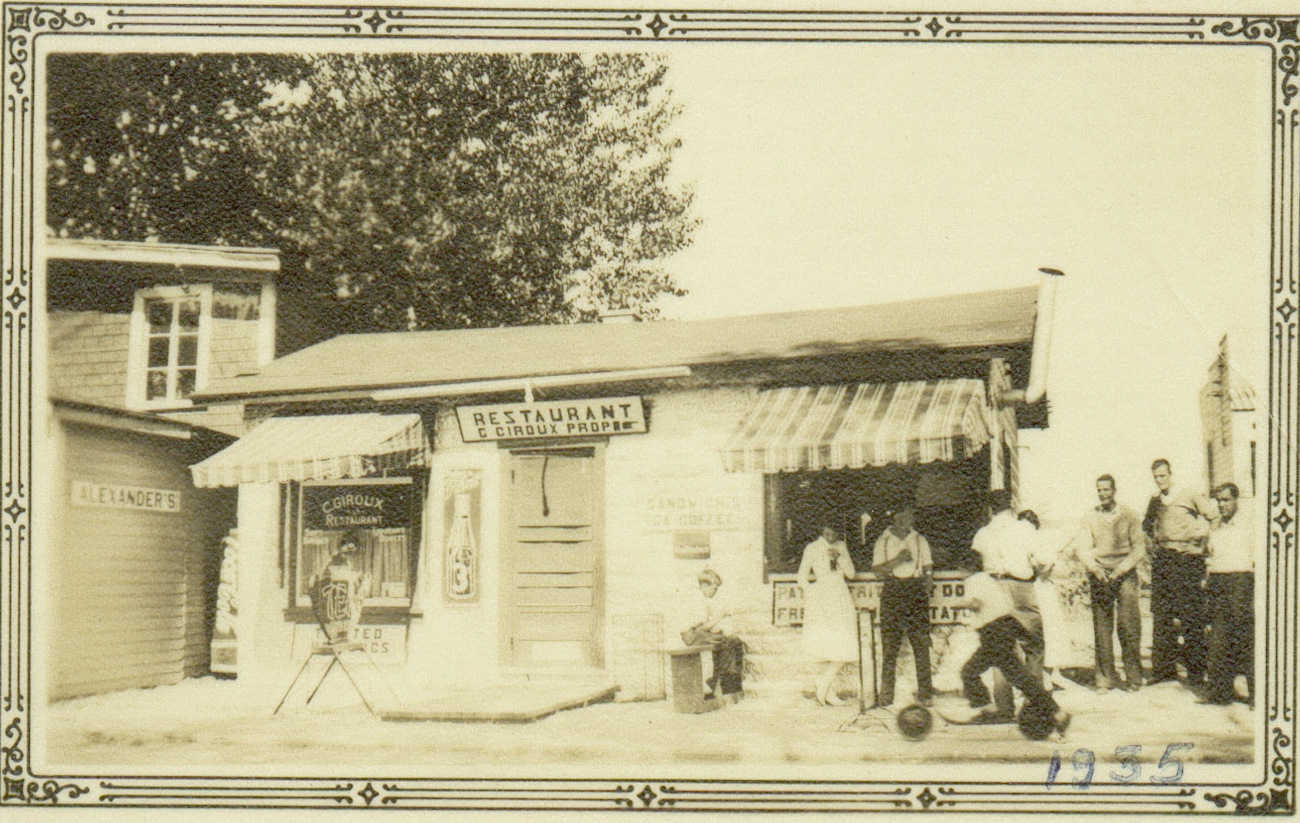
{"points": [[461, 517]]}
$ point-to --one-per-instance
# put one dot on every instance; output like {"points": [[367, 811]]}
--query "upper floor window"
{"points": [[171, 327]]}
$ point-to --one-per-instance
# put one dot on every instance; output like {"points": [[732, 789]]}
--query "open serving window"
{"points": [[845, 455]]}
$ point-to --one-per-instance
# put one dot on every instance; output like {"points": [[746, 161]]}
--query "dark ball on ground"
{"points": [[915, 722], [1036, 723]]}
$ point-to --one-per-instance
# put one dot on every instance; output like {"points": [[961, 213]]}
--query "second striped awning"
{"points": [[852, 427]]}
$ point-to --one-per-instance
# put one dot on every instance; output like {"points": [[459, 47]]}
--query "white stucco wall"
{"points": [[667, 481], [672, 480], [263, 635], [453, 639]]}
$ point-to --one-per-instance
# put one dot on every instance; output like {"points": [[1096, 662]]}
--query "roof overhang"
{"points": [[90, 414], [163, 254]]}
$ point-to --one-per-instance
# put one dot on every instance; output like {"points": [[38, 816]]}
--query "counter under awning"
{"points": [[853, 427], [327, 447]]}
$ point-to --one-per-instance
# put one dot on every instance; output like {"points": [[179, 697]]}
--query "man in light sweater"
{"points": [[1113, 545], [1180, 522]]}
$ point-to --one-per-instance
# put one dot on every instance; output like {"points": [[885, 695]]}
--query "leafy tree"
{"points": [[415, 191], [147, 147]]}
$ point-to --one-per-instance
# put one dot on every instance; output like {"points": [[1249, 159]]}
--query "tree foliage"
{"points": [[413, 191]]}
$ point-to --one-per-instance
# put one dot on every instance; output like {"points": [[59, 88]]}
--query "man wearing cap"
{"points": [[902, 558]]}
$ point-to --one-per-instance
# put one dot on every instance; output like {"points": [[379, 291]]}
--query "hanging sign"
{"points": [[371, 506], [551, 418], [788, 599]]}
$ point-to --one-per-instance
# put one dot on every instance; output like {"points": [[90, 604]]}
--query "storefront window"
{"points": [[378, 518], [949, 500]]}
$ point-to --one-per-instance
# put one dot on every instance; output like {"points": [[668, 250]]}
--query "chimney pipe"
{"points": [[1042, 351]]}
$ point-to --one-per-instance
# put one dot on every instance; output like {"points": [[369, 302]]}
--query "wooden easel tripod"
{"points": [[334, 605], [336, 651]]}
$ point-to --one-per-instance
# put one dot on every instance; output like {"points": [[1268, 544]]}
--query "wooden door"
{"points": [[553, 582]]}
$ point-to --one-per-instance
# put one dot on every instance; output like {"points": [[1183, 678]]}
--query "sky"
{"points": [[843, 174]]}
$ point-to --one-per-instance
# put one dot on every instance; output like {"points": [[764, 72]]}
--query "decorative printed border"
{"points": [[24, 23]]}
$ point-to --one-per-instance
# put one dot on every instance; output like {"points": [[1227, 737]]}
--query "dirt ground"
{"points": [[209, 726]]}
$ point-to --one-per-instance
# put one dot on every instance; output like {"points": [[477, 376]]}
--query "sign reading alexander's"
{"points": [[552, 418], [113, 496]]}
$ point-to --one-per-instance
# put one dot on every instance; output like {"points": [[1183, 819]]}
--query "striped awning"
{"points": [[327, 447], [852, 427]]}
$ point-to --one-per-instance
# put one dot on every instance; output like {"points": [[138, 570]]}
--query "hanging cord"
{"points": [[546, 506]]}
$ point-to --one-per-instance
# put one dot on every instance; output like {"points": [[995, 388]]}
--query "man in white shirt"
{"points": [[1230, 587], [1006, 546], [1001, 628], [902, 558]]}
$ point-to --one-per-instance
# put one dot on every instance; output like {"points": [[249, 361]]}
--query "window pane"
{"points": [[189, 350], [185, 381], [157, 384], [158, 351], [189, 315], [159, 314]]}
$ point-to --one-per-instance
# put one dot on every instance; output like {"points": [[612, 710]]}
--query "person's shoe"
{"points": [[1131, 686], [1061, 720], [1059, 681], [991, 716], [833, 699]]}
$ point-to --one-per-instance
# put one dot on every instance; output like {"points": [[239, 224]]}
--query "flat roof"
{"points": [[162, 254], [368, 362]]}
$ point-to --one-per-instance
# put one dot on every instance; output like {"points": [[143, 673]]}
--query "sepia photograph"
{"points": [[682, 409]]}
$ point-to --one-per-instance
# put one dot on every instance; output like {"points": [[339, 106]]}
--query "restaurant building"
{"points": [[540, 500]]}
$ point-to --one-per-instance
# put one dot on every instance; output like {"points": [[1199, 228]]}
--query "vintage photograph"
{"points": [[586, 409]]}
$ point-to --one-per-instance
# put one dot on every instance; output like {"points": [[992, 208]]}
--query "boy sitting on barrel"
{"points": [[728, 651]]}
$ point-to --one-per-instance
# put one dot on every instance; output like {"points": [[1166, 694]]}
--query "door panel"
{"points": [[554, 563], [554, 557]]}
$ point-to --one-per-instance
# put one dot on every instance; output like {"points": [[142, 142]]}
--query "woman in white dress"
{"points": [[1048, 559], [830, 634]]}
